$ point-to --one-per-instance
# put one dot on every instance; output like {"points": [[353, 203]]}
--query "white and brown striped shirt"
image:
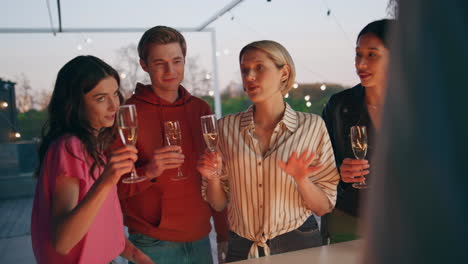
{"points": [[263, 200]]}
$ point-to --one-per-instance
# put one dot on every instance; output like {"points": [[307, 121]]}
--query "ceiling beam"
{"points": [[59, 10], [218, 14], [89, 30]]}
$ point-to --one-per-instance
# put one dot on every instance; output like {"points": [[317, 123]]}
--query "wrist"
{"points": [[105, 182], [302, 180], [214, 181]]}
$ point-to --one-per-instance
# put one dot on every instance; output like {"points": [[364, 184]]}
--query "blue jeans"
{"points": [[306, 236], [162, 252]]}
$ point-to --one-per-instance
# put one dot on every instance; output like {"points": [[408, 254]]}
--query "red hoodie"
{"points": [[166, 209]]}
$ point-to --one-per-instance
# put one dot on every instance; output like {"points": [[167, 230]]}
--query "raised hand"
{"points": [[353, 170], [299, 167], [120, 162], [169, 157], [209, 165]]}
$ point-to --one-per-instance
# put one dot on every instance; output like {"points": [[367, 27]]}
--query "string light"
{"points": [[295, 85], [208, 76], [123, 75], [211, 93], [3, 104], [307, 97], [17, 135], [308, 104], [323, 87], [286, 95]]}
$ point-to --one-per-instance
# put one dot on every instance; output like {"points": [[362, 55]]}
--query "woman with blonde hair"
{"points": [[275, 167]]}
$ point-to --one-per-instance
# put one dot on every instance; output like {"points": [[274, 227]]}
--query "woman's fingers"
{"points": [[354, 176], [127, 155], [353, 167], [352, 179], [310, 158], [356, 173], [349, 161], [314, 168], [282, 164], [303, 155], [123, 149]]}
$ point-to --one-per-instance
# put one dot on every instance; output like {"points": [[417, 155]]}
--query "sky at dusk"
{"points": [[321, 45]]}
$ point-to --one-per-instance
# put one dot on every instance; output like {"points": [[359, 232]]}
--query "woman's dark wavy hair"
{"points": [[66, 110], [380, 28]]}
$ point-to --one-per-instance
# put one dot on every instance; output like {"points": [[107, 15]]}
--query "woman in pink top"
{"points": [[76, 214]]}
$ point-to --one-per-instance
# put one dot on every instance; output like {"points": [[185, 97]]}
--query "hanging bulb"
{"points": [[3, 104]]}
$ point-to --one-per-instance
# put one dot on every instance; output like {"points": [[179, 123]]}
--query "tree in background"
{"points": [[296, 98], [31, 107], [23, 92], [392, 8], [28, 98], [129, 68], [197, 80], [30, 124], [42, 101]]}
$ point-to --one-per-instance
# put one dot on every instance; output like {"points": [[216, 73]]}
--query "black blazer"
{"points": [[343, 110]]}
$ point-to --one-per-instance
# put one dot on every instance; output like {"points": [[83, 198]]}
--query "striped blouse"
{"points": [[263, 200]]}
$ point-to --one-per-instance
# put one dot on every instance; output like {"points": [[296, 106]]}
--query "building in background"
{"points": [[8, 120]]}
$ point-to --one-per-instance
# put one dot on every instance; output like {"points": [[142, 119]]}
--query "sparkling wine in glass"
{"points": [[359, 145], [127, 121], [173, 135], [210, 133]]}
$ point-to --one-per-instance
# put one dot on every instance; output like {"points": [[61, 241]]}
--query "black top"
{"points": [[344, 110]]}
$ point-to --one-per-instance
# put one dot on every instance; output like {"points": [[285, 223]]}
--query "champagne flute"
{"points": [[127, 121], [359, 145], [173, 137], [210, 133]]}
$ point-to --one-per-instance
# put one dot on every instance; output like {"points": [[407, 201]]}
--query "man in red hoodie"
{"points": [[168, 219]]}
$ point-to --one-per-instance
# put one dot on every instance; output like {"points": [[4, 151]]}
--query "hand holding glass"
{"points": [[173, 135], [210, 133], [359, 145], [127, 122]]}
